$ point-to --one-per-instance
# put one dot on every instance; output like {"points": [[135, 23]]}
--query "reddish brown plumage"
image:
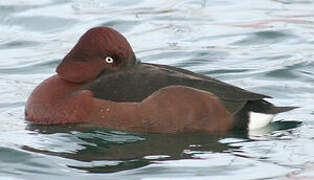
{"points": [[60, 100], [56, 101], [169, 110]]}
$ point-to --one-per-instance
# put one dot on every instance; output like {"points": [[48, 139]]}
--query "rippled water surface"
{"points": [[263, 46]]}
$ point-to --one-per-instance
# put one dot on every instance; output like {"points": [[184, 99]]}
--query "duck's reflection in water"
{"points": [[104, 151]]}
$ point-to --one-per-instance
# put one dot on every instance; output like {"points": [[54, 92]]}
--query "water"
{"points": [[263, 46]]}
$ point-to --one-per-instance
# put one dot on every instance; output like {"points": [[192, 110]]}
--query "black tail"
{"points": [[262, 106], [276, 110]]}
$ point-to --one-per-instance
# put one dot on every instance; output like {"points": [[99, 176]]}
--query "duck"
{"points": [[101, 82]]}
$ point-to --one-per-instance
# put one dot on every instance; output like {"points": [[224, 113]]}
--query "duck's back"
{"points": [[137, 83]]}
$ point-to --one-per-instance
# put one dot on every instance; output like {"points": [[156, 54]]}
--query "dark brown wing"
{"points": [[228, 89], [136, 83]]}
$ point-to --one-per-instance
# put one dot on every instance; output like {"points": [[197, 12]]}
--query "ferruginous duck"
{"points": [[100, 81]]}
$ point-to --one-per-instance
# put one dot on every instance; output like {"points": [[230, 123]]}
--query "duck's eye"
{"points": [[109, 60]]}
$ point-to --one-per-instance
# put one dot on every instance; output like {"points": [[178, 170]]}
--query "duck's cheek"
{"points": [[80, 71]]}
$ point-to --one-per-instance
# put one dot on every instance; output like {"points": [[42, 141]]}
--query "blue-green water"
{"points": [[263, 46]]}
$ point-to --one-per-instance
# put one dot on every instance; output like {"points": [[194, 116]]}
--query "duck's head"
{"points": [[100, 50]]}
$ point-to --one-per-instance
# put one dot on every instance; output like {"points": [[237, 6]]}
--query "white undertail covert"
{"points": [[259, 120]]}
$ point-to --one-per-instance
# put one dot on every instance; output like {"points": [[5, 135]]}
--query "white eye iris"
{"points": [[109, 60]]}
